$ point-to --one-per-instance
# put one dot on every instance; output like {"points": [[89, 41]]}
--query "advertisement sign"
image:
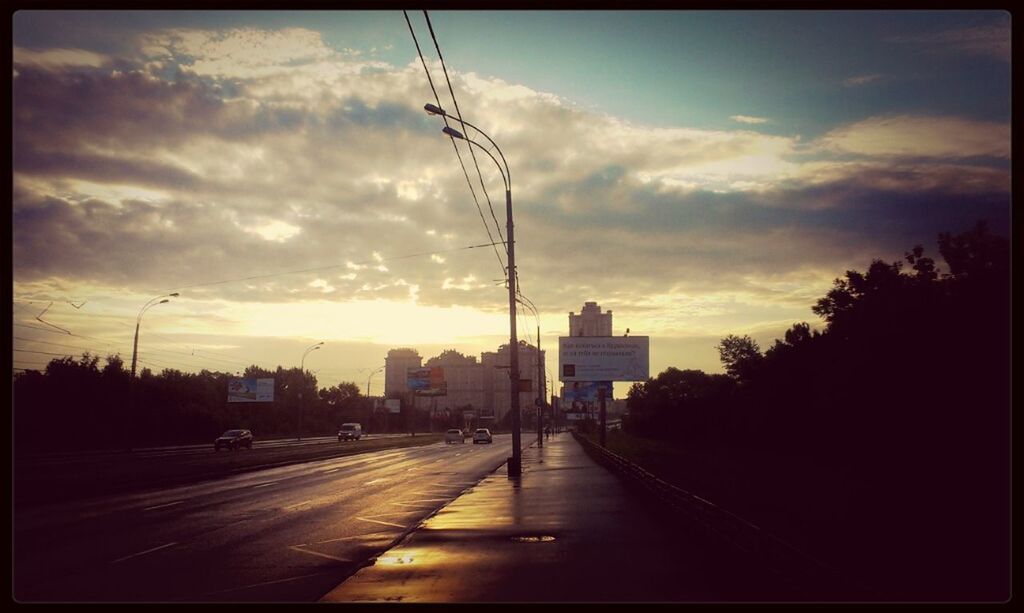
{"points": [[586, 391], [394, 405], [250, 390], [427, 381], [603, 358]]}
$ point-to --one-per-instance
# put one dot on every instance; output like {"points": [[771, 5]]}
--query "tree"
{"points": [[740, 355]]}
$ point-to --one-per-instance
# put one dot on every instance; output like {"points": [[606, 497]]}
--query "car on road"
{"points": [[350, 432], [454, 436], [233, 439], [482, 435]]}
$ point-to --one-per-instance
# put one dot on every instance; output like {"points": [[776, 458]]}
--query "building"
{"points": [[484, 385], [497, 362], [590, 322], [396, 365], [465, 378]]}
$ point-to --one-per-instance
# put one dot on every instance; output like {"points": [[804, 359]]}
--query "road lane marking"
{"points": [[305, 502], [421, 505], [317, 553], [354, 536], [160, 506], [245, 587], [327, 472], [383, 523], [381, 480], [425, 500], [142, 553], [266, 484]]}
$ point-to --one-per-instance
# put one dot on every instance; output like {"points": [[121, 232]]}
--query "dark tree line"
{"points": [[906, 391], [76, 404]]}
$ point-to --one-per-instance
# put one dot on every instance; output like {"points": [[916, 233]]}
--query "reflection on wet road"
{"points": [[284, 534]]}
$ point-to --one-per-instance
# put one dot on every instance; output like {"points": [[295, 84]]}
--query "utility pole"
{"points": [[604, 416], [540, 394]]}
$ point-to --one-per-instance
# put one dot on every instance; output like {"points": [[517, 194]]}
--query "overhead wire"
{"points": [[458, 116], [455, 146]]}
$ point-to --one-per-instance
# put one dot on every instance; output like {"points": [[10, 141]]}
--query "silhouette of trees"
{"points": [[906, 392], [75, 404]]}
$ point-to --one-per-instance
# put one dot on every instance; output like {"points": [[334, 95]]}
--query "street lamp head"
{"points": [[453, 132], [434, 110], [174, 295], [163, 301]]}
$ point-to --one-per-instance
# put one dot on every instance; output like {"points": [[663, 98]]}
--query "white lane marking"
{"points": [[245, 587], [305, 502], [350, 538], [383, 523], [142, 553], [160, 506], [317, 553], [424, 500], [265, 484], [381, 480], [327, 472], [421, 505]]}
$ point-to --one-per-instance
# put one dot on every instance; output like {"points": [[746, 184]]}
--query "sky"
{"points": [[699, 173]]}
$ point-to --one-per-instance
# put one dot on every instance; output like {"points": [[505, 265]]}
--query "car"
{"points": [[454, 436], [482, 435], [350, 432], [233, 439]]}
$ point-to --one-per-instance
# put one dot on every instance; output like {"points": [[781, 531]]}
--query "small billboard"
{"points": [[393, 405], [427, 381], [586, 391], [250, 389], [603, 358]]}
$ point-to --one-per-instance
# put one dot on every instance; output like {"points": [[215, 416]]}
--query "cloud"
{"points": [[991, 41], [858, 80], [909, 135], [58, 59], [223, 162], [748, 119]]}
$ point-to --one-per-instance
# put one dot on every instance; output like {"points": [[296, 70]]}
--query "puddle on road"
{"points": [[533, 539]]}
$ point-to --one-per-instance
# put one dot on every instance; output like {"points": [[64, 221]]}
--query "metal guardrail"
{"points": [[781, 558]]}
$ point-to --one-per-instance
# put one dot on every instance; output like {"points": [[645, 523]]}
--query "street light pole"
{"points": [[369, 419], [514, 462], [302, 384], [135, 354]]}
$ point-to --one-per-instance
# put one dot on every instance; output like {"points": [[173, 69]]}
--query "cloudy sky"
{"points": [[699, 173]]}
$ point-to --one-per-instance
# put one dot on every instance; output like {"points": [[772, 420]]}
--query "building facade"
{"points": [[483, 385], [590, 322], [396, 365]]}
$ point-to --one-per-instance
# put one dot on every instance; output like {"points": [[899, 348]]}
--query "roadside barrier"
{"points": [[798, 569]]}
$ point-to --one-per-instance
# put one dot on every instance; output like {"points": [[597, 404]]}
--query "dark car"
{"points": [[233, 439]]}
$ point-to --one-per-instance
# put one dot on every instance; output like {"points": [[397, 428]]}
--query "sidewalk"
{"points": [[566, 531]]}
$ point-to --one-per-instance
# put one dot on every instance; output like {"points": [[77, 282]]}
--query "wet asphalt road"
{"points": [[285, 534]]}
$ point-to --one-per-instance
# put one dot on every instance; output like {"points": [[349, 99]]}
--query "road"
{"points": [[284, 534]]}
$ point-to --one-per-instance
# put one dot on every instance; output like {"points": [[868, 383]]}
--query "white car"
{"points": [[482, 435], [453, 436]]}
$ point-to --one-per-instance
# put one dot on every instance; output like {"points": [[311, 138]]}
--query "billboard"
{"points": [[603, 358], [427, 381], [394, 405], [586, 391], [250, 389]]}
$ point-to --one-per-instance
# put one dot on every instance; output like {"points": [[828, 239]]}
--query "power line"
{"points": [[454, 145], [458, 115]]}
